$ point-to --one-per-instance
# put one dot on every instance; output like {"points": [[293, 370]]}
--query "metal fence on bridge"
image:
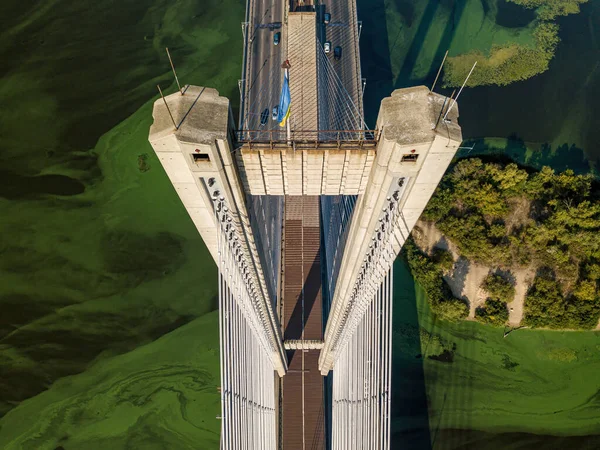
{"points": [[348, 139]]}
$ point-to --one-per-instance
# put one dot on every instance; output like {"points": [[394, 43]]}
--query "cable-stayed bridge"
{"points": [[304, 222]]}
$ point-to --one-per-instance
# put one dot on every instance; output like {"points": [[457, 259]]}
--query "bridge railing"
{"points": [[307, 139]]}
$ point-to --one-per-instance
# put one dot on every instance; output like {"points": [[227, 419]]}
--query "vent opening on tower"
{"points": [[410, 157], [200, 157]]}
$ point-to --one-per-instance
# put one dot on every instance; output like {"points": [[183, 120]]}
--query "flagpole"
{"points": [[287, 122]]}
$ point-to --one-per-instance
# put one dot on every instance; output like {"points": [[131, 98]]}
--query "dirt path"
{"points": [[523, 279], [430, 238], [472, 290]]}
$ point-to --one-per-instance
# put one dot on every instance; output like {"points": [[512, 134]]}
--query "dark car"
{"points": [[264, 117], [326, 18], [337, 52], [277, 38]]}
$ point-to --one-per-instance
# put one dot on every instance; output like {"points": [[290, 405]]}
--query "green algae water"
{"points": [[108, 336], [108, 329], [556, 114], [466, 386]]}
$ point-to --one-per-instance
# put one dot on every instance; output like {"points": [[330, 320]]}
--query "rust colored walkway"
{"points": [[303, 407]]}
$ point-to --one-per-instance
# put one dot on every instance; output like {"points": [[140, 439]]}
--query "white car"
{"points": [[327, 47]]}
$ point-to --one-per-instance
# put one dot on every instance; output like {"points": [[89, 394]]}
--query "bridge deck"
{"points": [[303, 398]]}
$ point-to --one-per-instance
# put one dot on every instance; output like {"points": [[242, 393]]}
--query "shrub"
{"points": [[451, 309], [545, 306], [498, 288], [475, 239], [444, 259], [505, 63], [477, 209], [430, 277], [494, 312], [549, 9], [439, 205]]}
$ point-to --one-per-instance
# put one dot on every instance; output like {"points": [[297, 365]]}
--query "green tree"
{"points": [[494, 312], [444, 259], [439, 206], [586, 290], [510, 179], [498, 288], [546, 306]]}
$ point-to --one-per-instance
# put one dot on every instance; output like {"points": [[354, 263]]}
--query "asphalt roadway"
{"points": [[264, 75]]}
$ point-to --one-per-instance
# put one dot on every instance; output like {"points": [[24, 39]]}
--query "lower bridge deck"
{"points": [[302, 412]]}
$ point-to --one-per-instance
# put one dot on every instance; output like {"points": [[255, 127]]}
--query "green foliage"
{"points": [[444, 259], [546, 185], [586, 290], [591, 271], [499, 288], [439, 205], [494, 312], [558, 354], [474, 239], [429, 276], [505, 63], [549, 9], [483, 211], [546, 306]]}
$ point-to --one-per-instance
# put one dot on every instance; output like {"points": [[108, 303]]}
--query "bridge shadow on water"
{"points": [[432, 398], [379, 43], [410, 426]]}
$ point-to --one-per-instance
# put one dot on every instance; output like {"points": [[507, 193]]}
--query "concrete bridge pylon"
{"points": [[235, 190]]}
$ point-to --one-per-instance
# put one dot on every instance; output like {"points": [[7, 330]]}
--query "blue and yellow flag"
{"points": [[284, 103]]}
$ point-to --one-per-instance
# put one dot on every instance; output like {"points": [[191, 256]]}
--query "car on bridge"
{"points": [[327, 47], [326, 18], [275, 112], [277, 38], [337, 52], [264, 117]]}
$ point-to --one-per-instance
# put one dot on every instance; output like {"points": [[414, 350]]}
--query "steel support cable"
{"points": [[233, 296], [344, 107], [330, 83], [354, 21], [373, 418], [343, 90], [346, 110], [348, 37], [333, 100], [352, 119], [221, 336], [370, 273]]}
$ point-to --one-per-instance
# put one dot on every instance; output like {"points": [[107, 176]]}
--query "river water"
{"points": [[108, 332]]}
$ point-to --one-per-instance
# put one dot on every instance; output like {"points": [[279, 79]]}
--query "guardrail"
{"points": [[307, 139]]}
